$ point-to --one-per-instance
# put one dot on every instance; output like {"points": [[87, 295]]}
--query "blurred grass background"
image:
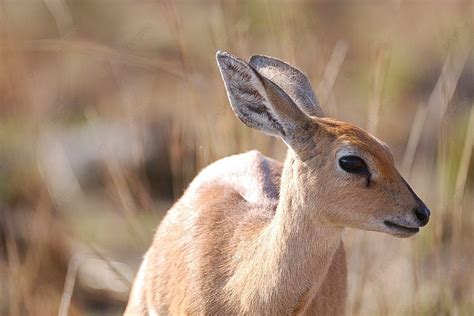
{"points": [[109, 108]]}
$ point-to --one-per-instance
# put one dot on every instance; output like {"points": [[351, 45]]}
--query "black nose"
{"points": [[423, 214]]}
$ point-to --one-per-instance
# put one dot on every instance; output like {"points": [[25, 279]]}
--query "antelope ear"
{"points": [[260, 103], [291, 80]]}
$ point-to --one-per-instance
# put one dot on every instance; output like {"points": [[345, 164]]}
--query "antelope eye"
{"points": [[353, 164]]}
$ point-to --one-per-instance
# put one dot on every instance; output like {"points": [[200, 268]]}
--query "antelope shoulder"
{"points": [[228, 202]]}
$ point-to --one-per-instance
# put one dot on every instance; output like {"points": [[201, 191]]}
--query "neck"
{"points": [[291, 256]]}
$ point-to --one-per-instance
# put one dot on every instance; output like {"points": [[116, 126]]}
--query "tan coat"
{"points": [[252, 236]]}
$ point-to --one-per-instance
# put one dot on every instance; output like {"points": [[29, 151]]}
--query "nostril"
{"points": [[423, 214]]}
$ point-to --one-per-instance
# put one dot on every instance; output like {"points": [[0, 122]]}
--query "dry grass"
{"points": [[109, 108]]}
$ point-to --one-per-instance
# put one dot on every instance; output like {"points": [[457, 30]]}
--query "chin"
{"points": [[398, 230], [393, 229], [400, 234]]}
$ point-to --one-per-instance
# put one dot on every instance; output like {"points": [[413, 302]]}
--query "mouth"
{"points": [[401, 229]]}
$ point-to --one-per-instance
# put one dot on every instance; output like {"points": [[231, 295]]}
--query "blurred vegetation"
{"points": [[109, 108]]}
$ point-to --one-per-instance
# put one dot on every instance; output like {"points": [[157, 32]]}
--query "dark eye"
{"points": [[353, 164]]}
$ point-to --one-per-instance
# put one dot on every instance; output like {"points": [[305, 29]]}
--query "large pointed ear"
{"points": [[291, 80], [261, 104]]}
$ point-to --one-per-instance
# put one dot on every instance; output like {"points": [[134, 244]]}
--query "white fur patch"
{"points": [[248, 173]]}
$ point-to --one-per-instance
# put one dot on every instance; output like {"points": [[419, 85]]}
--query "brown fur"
{"points": [[252, 236], [205, 237]]}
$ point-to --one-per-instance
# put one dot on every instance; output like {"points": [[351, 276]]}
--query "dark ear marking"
{"points": [[263, 111], [255, 104]]}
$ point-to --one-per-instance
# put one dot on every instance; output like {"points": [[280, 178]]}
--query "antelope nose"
{"points": [[423, 214]]}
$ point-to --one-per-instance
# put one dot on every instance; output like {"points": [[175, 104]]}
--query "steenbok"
{"points": [[253, 236]]}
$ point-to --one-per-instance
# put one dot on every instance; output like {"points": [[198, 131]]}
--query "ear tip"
{"points": [[229, 62], [223, 55], [256, 57], [256, 60], [262, 61]]}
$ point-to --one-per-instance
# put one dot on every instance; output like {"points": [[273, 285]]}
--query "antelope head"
{"points": [[345, 176]]}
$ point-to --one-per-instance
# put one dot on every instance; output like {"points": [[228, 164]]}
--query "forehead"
{"points": [[360, 140]]}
